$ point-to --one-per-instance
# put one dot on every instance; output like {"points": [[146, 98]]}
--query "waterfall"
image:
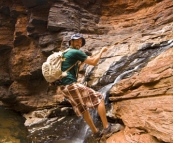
{"points": [[80, 131], [80, 137], [105, 89]]}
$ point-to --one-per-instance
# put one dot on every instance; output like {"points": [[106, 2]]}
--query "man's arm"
{"points": [[94, 60]]}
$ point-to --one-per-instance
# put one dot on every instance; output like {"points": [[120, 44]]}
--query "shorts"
{"points": [[81, 97]]}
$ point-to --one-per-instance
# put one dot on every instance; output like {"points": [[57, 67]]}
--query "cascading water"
{"points": [[105, 89], [72, 129], [75, 129], [80, 137]]}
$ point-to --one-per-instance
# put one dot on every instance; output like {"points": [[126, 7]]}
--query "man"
{"points": [[81, 97]]}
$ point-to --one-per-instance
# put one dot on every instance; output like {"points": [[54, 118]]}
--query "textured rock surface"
{"points": [[139, 37], [151, 101], [131, 136]]}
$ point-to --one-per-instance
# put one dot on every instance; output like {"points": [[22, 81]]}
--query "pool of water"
{"points": [[71, 129], [12, 129]]}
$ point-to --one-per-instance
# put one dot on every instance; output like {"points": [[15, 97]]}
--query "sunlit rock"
{"points": [[137, 66], [151, 98]]}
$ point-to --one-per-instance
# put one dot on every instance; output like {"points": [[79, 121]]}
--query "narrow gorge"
{"points": [[135, 74]]}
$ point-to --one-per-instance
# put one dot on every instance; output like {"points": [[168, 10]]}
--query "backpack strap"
{"points": [[71, 67], [66, 50]]}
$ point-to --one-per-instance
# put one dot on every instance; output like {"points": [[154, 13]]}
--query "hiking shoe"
{"points": [[97, 135], [107, 130]]}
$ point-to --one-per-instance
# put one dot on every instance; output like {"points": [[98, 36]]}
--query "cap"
{"points": [[77, 36]]}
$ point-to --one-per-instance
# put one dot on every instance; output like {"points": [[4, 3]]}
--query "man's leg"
{"points": [[89, 121], [102, 113]]}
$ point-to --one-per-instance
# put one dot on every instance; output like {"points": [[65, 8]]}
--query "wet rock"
{"points": [[135, 33], [151, 99]]}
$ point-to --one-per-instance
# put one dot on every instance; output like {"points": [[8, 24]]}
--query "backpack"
{"points": [[51, 69]]}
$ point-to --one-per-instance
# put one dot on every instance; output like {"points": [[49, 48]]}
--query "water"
{"points": [[12, 129], [105, 89], [70, 129]]}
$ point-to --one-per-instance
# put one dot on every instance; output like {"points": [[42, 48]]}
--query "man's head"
{"points": [[77, 41]]}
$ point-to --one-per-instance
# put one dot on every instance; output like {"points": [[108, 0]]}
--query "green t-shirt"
{"points": [[71, 57]]}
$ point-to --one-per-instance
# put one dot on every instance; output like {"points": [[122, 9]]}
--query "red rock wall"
{"points": [[31, 30]]}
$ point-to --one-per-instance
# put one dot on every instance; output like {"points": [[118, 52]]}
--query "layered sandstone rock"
{"points": [[146, 98], [139, 58]]}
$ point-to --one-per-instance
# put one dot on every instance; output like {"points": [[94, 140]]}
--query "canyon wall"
{"points": [[138, 35]]}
